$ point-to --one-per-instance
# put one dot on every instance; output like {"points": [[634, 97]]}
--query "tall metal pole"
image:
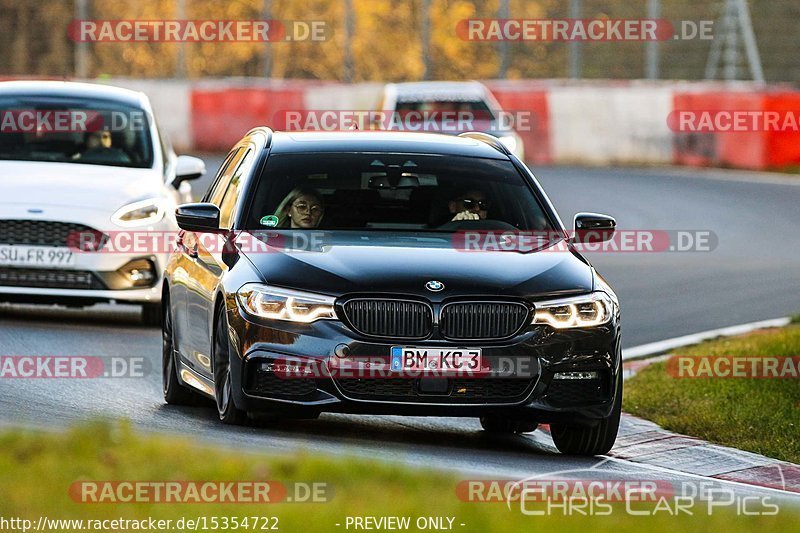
{"points": [[651, 58], [180, 58], [349, 30], [266, 14], [750, 46], [575, 60], [425, 37], [503, 13], [81, 48]]}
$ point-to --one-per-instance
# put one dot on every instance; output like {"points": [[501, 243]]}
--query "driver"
{"points": [[471, 205], [99, 149]]}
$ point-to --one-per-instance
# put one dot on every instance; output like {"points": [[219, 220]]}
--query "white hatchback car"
{"points": [[80, 159], [439, 107]]}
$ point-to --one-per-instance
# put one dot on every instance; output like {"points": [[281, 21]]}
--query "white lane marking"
{"points": [[660, 347], [739, 176]]}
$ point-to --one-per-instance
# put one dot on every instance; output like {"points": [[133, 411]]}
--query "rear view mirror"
{"points": [[593, 227], [199, 217]]}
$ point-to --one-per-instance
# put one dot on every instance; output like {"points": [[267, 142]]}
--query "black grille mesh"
{"points": [[265, 383], [460, 390], [389, 318], [482, 320], [43, 232], [577, 391]]}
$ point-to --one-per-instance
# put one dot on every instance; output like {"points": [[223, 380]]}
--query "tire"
{"points": [[220, 356], [590, 440], [152, 315], [501, 425], [174, 392]]}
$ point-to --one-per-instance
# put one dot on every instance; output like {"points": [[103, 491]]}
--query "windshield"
{"points": [[395, 192], [71, 131], [477, 108]]}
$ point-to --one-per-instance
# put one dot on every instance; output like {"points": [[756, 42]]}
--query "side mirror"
{"points": [[199, 217], [188, 168], [593, 227]]}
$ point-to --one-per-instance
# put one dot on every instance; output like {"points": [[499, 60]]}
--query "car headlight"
{"points": [[140, 213], [585, 311], [510, 142], [285, 304]]}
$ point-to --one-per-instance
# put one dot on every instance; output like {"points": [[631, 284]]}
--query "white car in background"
{"points": [[432, 101], [79, 159]]}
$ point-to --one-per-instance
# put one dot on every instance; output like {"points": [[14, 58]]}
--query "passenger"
{"points": [[302, 208]]}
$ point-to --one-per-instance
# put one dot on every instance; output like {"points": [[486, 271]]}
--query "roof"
{"points": [[382, 142], [439, 90], [71, 89]]}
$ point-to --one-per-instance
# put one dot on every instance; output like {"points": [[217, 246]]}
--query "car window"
{"points": [[63, 130], [224, 178], [228, 203], [393, 192]]}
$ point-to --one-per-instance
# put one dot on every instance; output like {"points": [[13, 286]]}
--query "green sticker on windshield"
{"points": [[270, 221]]}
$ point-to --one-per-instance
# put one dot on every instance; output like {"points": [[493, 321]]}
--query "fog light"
{"points": [[140, 272], [577, 375]]}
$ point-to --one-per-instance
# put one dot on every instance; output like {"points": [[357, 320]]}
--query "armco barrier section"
{"points": [[739, 149], [574, 122], [783, 147], [221, 116], [610, 125], [743, 147], [536, 135]]}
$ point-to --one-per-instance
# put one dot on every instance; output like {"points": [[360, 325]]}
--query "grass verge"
{"points": [[37, 469], [755, 414]]}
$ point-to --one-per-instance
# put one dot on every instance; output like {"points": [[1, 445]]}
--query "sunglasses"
{"points": [[470, 203]]}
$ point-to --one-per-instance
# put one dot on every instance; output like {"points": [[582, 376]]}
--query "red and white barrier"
{"points": [[595, 123]]}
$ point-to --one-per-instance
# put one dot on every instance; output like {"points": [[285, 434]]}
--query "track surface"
{"points": [[753, 274]]}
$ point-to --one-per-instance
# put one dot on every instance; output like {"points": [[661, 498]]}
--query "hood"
{"points": [[391, 264], [97, 187]]}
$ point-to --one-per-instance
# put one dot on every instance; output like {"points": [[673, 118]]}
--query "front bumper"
{"points": [[520, 384]]}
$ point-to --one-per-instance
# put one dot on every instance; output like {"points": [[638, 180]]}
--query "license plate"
{"points": [[406, 358], [35, 256]]}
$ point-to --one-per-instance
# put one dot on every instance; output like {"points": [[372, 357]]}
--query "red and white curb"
{"points": [[644, 442]]}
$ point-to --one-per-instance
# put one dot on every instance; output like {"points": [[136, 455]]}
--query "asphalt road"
{"points": [[753, 274]]}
